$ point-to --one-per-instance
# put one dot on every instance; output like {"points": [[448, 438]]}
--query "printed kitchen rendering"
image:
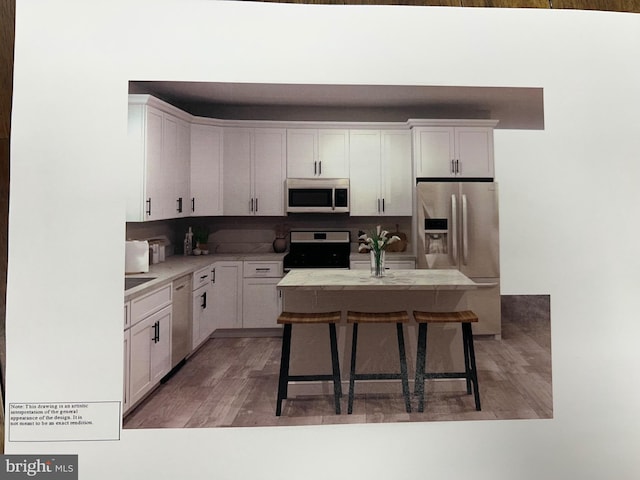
{"points": [[323, 254]]}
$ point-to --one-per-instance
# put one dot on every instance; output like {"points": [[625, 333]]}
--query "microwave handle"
{"points": [[333, 199]]}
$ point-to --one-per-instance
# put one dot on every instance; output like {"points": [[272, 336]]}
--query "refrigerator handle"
{"points": [[465, 235], [454, 228]]}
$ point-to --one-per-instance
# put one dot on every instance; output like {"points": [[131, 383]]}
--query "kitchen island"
{"points": [[323, 290]]}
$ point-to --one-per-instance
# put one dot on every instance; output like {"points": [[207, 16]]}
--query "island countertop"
{"points": [[336, 279]]}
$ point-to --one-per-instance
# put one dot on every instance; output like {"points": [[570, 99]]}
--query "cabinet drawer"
{"points": [[262, 269], [202, 277], [149, 303]]}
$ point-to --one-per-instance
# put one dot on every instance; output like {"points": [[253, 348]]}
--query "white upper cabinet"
{"points": [[454, 149], [254, 169], [317, 153], [380, 166], [157, 174], [206, 170], [181, 166]]}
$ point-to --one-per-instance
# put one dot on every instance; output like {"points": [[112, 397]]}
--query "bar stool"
{"points": [[288, 319], [398, 318], [465, 318]]}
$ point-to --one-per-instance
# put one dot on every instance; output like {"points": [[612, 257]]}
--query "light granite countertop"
{"points": [[176, 266], [326, 279]]}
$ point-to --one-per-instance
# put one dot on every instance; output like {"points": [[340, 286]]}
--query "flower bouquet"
{"points": [[376, 242]]}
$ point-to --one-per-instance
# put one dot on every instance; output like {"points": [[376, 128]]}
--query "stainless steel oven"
{"points": [[318, 249], [309, 195]]}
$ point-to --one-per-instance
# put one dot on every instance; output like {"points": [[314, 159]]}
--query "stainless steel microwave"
{"points": [[309, 195]]}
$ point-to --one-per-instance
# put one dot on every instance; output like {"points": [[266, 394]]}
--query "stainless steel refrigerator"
{"points": [[457, 227]]}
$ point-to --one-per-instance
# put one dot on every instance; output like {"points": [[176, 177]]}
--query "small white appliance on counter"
{"points": [[136, 259]]}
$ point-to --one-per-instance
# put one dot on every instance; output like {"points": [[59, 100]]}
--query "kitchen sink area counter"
{"points": [[178, 265]]}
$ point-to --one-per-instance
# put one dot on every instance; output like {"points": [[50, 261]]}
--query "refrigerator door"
{"points": [[479, 239], [438, 225]]}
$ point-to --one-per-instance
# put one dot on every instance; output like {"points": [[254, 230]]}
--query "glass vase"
{"points": [[377, 263]]}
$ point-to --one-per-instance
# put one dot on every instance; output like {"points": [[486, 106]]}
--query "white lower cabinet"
{"points": [[150, 354], [147, 343], [203, 308], [227, 294], [261, 303]]}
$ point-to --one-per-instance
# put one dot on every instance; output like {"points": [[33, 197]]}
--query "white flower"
{"points": [[376, 241], [363, 247]]}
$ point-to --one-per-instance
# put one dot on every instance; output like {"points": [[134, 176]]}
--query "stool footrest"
{"points": [[446, 375], [309, 378], [377, 376]]}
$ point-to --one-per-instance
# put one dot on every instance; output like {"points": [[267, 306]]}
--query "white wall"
{"points": [[568, 220]]}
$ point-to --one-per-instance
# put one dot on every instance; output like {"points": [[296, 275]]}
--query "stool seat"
{"points": [[377, 317], [465, 318], [399, 318], [445, 317], [320, 317], [288, 319]]}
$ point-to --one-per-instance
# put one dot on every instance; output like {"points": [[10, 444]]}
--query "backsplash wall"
{"points": [[256, 234]]}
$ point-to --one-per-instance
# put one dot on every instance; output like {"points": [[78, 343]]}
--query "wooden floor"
{"points": [[232, 382]]}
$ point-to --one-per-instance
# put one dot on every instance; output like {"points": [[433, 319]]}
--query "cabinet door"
{"points": [[269, 171], [333, 153], [227, 294], [396, 176], [302, 153], [474, 151], [206, 170], [168, 201], [181, 167], [161, 345], [262, 303], [237, 171], [154, 206], [201, 306], [364, 165], [140, 360], [436, 151]]}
